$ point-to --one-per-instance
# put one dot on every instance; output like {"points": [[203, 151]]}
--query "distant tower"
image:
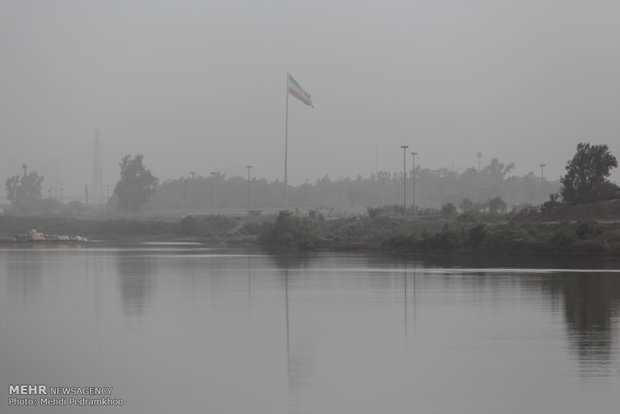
{"points": [[97, 190]]}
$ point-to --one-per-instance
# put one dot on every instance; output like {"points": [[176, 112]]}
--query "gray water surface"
{"points": [[181, 328]]}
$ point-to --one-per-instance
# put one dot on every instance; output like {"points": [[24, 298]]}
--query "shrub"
{"points": [[290, 231], [373, 212], [469, 216], [563, 236], [552, 203], [587, 229], [448, 211], [496, 205], [205, 226], [254, 228], [477, 234], [448, 239], [187, 225]]}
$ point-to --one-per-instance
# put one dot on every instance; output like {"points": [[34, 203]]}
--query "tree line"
{"points": [[433, 189], [491, 188]]}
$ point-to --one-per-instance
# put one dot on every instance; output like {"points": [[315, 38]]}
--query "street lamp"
{"points": [[214, 174], [413, 154], [249, 167], [542, 175], [404, 147]]}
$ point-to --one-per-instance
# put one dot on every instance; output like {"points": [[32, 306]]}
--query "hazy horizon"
{"points": [[200, 86]]}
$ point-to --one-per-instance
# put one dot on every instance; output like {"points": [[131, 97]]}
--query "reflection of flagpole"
{"points": [[97, 290], [249, 286], [405, 274], [288, 342], [414, 309]]}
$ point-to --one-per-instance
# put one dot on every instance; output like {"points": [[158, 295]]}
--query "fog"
{"points": [[201, 85]]}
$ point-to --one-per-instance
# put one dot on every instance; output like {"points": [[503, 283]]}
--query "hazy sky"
{"points": [[201, 85]]}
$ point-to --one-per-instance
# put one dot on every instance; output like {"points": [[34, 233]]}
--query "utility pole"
{"points": [[404, 147], [413, 154], [97, 188], [214, 175], [249, 167], [542, 176]]}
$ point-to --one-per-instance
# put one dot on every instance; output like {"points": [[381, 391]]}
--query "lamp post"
{"points": [[542, 175], [249, 167], [413, 154], [404, 147], [214, 174]]}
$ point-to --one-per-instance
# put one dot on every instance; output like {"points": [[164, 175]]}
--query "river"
{"points": [[182, 328]]}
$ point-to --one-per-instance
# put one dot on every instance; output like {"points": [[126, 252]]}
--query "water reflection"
{"points": [[590, 302], [136, 283], [24, 269], [299, 354], [315, 332], [409, 276]]}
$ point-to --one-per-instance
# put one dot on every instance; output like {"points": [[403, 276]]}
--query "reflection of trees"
{"points": [[590, 301], [136, 282], [293, 260]]}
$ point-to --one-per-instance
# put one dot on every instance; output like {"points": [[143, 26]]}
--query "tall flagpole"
{"points": [[286, 148]]}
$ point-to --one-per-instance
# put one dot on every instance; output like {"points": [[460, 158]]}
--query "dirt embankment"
{"points": [[107, 229], [126, 229], [14, 225]]}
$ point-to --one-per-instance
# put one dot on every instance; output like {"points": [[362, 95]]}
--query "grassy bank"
{"points": [[381, 230], [444, 235]]}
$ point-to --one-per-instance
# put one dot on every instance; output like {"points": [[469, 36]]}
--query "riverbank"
{"points": [[530, 233]]}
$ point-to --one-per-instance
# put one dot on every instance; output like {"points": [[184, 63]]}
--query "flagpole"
{"points": [[286, 148]]}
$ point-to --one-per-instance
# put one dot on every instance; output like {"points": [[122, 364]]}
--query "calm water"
{"points": [[179, 328]]}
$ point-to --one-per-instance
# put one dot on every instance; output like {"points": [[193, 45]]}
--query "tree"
{"points": [[586, 178], [25, 190], [448, 211], [498, 170], [468, 206], [136, 186], [496, 205]]}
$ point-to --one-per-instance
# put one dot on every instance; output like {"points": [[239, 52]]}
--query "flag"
{"points": [[297, 91]]}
